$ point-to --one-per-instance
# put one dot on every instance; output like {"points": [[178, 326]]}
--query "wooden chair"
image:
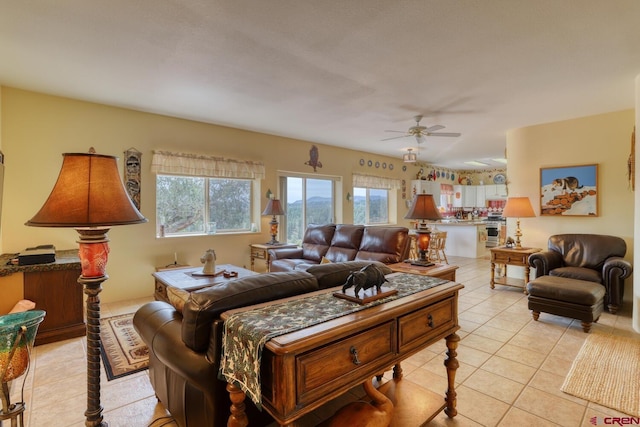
{"points": [[437, 247]]}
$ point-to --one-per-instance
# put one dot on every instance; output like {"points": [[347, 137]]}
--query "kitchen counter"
{"points": [[465, 238]]}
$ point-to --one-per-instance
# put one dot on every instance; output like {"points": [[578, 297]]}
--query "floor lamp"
{"points": [[423, 208], [90, 197]]}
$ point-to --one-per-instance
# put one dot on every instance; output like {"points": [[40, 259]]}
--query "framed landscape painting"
{"points": [[569, 190]]}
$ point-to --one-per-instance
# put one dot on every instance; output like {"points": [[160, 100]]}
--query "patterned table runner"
{"points": [[246, 333]]}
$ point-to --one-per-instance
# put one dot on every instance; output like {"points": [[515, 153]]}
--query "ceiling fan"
{"points": [[420, 132]]}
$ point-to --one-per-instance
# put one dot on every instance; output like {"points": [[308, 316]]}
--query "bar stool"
{"points": [[437, 247]]}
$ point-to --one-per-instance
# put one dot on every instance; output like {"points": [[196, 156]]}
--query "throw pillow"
{"points": [[177, 297]]}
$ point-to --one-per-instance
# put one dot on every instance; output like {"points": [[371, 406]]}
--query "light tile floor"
{"points": [[511, 368]]}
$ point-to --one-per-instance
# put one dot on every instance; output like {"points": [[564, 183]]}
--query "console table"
{"points": [[305, 369], [184, 278], [511, 256], [53, 287]]}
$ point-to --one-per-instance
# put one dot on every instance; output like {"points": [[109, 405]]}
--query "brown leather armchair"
{"points": [[591, 257]]}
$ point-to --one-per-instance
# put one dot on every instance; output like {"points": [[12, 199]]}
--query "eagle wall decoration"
{"points": [[313, 158]]}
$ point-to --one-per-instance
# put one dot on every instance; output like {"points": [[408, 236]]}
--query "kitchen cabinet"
{"points": [[481, 196], [495, 191], [458, 197], [421, 186], [469, 196]]}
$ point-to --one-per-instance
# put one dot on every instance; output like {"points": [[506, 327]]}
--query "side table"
{"points": [[511, 256], [261, 251]]}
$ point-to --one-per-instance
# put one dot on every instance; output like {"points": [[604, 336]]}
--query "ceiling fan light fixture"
{"points": [[410, 156]]}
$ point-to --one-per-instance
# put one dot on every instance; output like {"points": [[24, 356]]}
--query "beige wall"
{"points": [[37, 129], [603, 139]]}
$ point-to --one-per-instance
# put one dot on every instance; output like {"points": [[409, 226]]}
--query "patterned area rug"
{"points": [[607, 372], [123, 352]]}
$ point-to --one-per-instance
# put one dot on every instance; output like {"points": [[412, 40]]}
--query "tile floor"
{"points": [[511, 368]]}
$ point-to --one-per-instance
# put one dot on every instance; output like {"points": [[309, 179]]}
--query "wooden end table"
{"points": [[261, 251], [184, 278], [511, 256], [441, 271]]}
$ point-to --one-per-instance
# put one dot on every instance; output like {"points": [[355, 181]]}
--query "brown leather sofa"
{"points": [[344, 242], [590, 257], [184, 347]]}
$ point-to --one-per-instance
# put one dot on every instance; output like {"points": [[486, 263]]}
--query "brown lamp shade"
{"points": [[423, 207], [518, 207], [88, 193], [273, 208]]}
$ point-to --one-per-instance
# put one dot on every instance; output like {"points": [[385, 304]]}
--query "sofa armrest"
{"points": [[160, 326], [545, 261], [294, 253]]}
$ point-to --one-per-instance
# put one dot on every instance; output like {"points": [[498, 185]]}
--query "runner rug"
{"points": [[123, 352], [607, 371]]}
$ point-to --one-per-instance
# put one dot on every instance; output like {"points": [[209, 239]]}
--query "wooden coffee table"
{"points": [[189, 280], [442, 271]]}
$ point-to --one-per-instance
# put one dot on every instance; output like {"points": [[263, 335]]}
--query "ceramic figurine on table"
{"points": [[209, 260]]}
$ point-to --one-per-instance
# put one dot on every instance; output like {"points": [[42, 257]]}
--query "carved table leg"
{"points": [[397, 372], [237, 418], [493, 275], [452, 365]]}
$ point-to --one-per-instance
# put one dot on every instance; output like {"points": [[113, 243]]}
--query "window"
{"points": [[198, 194], [306, 201], [197, 205], [370, 206], [372, 198]]}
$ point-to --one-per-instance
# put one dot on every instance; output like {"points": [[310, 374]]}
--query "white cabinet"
{"points": [[458, 196], [419, 186], [481, 196], [469, 196], [494, 191]]}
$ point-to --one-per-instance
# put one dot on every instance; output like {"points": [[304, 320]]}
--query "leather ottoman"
{"points": [[577, 299]]}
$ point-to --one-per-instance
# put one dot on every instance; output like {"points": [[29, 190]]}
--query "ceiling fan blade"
{"points": [[444, 134], [395, 137], [397, 131], [434, 128]]}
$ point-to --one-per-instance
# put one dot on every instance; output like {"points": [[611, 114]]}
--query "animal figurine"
{"points": [[510, 243], [314, 156], [209, 260], [365, 278], [364, 414], [569, 183]]}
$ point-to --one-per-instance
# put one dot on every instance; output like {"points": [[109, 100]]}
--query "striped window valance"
{"points": [[165, 162], [371, 181]]}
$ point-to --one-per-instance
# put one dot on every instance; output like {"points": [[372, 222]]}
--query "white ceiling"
{"points": [[335, 72]]}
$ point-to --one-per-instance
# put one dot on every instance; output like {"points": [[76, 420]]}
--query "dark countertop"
{"points": [[65, 260]]}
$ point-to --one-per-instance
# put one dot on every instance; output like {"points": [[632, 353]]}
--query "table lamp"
{"points": [[518, 207], [423, 208], [273, 208], [90, 197]]}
